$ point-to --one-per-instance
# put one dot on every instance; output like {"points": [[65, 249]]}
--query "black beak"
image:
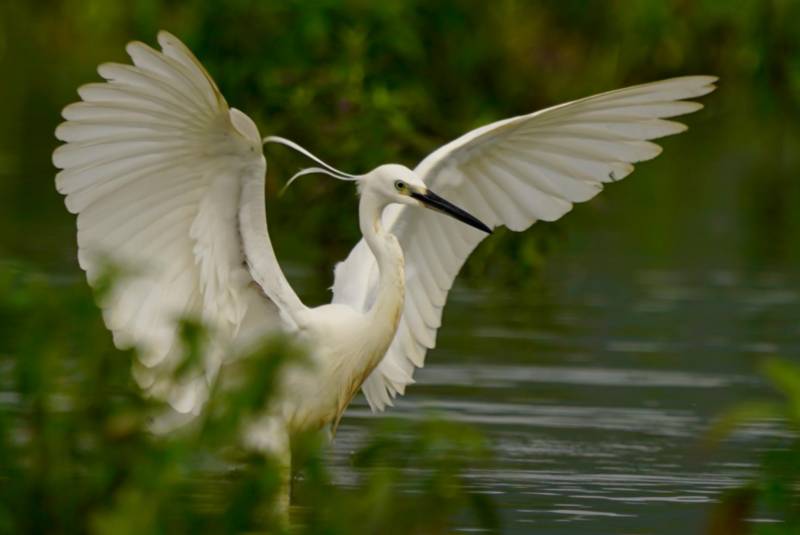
{"points": [[433, 201]]}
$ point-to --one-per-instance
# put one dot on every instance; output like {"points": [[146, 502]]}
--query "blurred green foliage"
{"points": [[77, 454], [775, 491]]}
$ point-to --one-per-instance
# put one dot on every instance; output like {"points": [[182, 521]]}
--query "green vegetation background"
{"points": [[360, 83], [363, 83]]}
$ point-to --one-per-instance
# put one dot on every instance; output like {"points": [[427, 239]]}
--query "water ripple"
{"points": [[486, 374]]}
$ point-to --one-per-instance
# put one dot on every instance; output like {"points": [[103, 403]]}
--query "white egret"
{"points": [[165, 176]]}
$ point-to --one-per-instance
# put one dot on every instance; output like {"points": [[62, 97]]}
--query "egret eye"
{"points": [[400, 185]]}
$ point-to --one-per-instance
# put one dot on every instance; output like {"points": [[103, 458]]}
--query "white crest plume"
{"points": [[325, 168]]}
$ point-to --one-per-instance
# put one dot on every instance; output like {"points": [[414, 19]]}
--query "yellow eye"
{"points": [[400, 185]]}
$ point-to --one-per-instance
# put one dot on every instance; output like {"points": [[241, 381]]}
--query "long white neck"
{"points": [[388, 305]]}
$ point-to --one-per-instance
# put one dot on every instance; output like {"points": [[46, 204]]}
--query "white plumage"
{"points": [[168, 179], [512, 173], [154, 165]]}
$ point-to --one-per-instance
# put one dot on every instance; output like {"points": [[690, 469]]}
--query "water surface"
{"points": [[596, 389]]}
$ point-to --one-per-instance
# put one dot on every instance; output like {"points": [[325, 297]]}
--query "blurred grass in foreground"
{"points": [[77, 456], [774, 493]]}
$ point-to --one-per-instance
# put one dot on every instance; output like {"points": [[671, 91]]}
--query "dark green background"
{"points": [[364, 83]]}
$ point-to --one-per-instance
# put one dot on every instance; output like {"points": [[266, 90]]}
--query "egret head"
{"points": [[392, 183], [398, 184]]}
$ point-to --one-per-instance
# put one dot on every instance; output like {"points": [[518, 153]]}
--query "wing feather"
{"points": [[154, 164], [512, 173]]}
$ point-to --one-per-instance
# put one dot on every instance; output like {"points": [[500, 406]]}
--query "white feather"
{"points": [[512, 173], [153, 164]]}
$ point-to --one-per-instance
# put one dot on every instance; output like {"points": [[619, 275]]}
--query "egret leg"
{"points": [[269, 436], [284, 497]]}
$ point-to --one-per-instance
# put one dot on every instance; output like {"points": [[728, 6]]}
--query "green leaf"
{"points": [[743, 414], [785, 376]]}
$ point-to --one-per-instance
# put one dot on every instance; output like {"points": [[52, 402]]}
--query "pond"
{"points": [[596, 393]]}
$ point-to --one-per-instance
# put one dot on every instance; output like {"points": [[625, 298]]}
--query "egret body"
{"points": [[164, 176]]}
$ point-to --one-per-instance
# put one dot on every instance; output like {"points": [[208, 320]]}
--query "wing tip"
{"points": [[378, 405], [694, 79], [703, 79], [84, 90], [56, 157], [170, 45], [166, 38], [702, 84], [69, 203], [105, 69], [61, 136], [708, 85], [133, 46]]}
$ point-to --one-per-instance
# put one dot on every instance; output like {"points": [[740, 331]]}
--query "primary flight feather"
{"points": [[166, 178]]}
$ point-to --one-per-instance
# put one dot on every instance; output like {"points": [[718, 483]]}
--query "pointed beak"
{"points": [[434, 202]]}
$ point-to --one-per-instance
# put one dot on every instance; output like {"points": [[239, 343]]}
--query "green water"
{"points": [[595, 393]]}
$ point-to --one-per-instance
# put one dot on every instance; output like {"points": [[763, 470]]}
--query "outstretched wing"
{"points": [[513, 173], [158, 169]]}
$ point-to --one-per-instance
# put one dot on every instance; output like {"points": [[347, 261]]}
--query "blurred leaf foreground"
{"points": [[77, 454], [773, 495]]}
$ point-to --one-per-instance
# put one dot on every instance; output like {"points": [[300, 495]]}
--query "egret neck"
{"points": [[384, 313]]}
